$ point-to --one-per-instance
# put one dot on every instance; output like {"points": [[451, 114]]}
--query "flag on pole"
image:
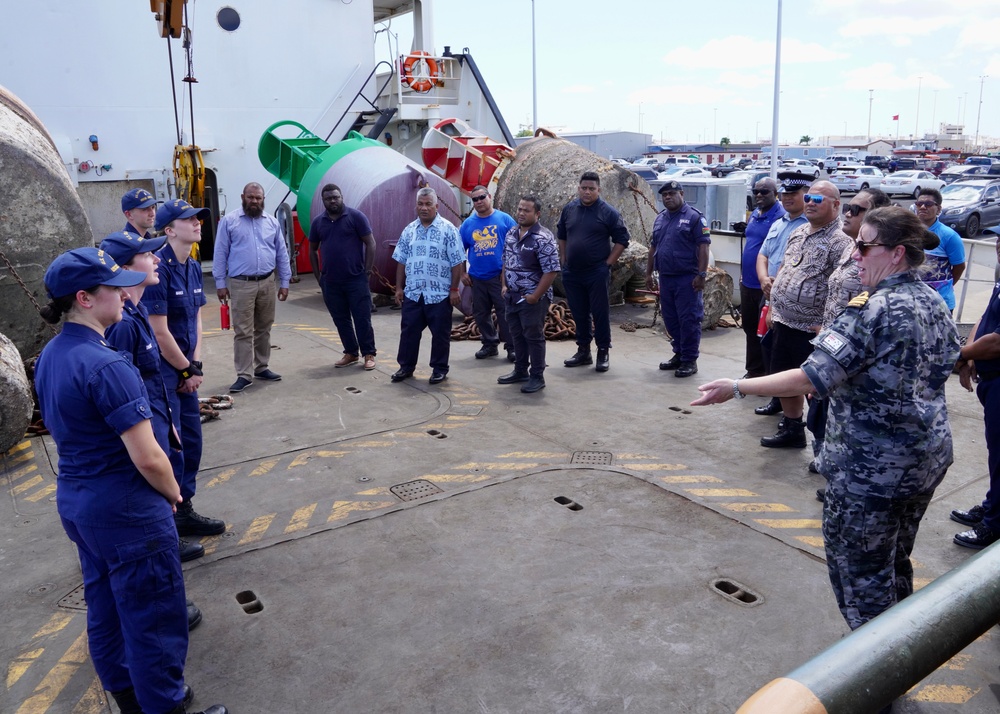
{"points": [[895, 117]]}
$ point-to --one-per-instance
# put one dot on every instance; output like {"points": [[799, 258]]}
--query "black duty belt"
{"points": [[265, 276], [987, 376]]}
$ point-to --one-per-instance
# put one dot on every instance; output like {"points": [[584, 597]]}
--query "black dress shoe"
{"points": [[535, 384], [194, 618], [580, 359], [511, 357], [978, 538], [487, 351], [770, 409], [437, 377], [821, 495], [672, 363], [513, 378], [791, 434], [268, 375], [190, 523], [189, 550], [972, 517], [603, 360], [188, 695], [401, 374], [686, 369]]}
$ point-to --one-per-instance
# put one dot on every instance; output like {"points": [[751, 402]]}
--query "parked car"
{"points": [[908, 164], [816, 162], [724, 169], [835, 161], [801, 165], [910, 182], [962, 171], [649, 162], [970, 205], [980, 160], [672, 160], [621, 162], [681, 170], [879, 162], [643, 172], [857, 178]]}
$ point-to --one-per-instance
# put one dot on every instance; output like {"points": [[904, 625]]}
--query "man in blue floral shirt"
{"points": [[430, 259]]}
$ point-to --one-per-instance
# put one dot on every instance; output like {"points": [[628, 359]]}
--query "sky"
{"points": [[699, 71]]}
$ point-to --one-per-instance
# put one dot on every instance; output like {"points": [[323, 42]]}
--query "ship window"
{"points": [[229, 19]]}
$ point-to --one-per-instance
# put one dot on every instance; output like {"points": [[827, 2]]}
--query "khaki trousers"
{"points": [[252, 312]]}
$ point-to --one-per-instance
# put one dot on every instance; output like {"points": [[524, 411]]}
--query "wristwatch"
{"points": [[703, 274], [736, 390]]}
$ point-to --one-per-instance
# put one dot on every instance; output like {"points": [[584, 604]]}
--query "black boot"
{"points": [[190, 523], [581, 358], [126, 701], [791, 434], [189, 550], [770, 409], [194, 615], [603, 360]]}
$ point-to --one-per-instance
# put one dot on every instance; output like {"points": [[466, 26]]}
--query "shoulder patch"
{"points": [[859, 300], [832, 343]]}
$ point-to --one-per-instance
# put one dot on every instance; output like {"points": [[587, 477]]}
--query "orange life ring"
{"points": [[420, 83]]}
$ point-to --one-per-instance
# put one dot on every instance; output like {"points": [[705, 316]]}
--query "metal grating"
{"points": [[592, 457], [415, 490], [73, 600]]}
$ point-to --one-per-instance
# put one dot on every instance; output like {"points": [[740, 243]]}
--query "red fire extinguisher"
{"points": [[224, 314], [761, 323]]}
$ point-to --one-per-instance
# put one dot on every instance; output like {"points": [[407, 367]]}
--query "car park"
{"points": [[835, 161], [970, 205], [676, 172], [649, 162], [857, 178], [643, 172], [980, 160], [677, 160], [621, 162], [724, 169], [879, 162], [801, 165], [910, 182]]}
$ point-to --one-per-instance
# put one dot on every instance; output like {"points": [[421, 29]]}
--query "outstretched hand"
{"points": [[717, 392]]}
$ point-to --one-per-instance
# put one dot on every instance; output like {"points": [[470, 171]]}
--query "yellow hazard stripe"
{"points": [[57, 678]]}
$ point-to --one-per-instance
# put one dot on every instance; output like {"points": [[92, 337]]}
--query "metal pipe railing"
{"points": [[967, 275], [882, 660]]}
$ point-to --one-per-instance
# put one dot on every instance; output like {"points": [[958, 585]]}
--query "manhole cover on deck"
{"points": [[73, 600], [592, 457], [415, 490]]}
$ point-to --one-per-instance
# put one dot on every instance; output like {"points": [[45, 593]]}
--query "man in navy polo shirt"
{"points": [[751, 294], [139, 207]]}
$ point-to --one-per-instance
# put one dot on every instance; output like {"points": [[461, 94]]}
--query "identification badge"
{"points": [[832, 343]]}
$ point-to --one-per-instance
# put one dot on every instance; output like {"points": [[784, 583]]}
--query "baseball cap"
{"points": [[137, 198], [793, 181], [670, 186], [178, 208], [85, 268], [123, 246]]}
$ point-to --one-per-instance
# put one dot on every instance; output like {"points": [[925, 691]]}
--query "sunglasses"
{"points": [[477, 199], [925, 204], [864, 247], [853, 211], [816, 198], [761, 191]]}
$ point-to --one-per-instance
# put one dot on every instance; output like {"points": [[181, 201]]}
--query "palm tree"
{"points": [[724, 141], [805, 139]]}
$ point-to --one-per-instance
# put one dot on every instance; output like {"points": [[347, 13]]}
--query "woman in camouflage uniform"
{"points": [[883, 364]]}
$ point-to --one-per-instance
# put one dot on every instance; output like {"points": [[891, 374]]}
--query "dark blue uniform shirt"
{"points": [[757, 229], [179, 296], [341, 251], [676, 237], [589, 232], [990, 322]]}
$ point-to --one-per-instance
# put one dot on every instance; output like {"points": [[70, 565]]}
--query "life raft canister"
{"points": [[420, 82]]}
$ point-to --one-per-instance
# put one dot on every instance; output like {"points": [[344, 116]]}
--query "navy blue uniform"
{"points": [[676, 240], [180, 296], [123, 528], [988, 392]]}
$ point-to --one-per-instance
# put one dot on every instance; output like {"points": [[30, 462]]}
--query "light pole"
{"points": [[715, 124], [916, 123], [534, 73], [777, 96], [979, 111], [934, 112], [871, 93]]}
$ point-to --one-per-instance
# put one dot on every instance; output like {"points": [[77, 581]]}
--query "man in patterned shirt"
{"points": [[530, 264], [430, 258], [798, 297]]}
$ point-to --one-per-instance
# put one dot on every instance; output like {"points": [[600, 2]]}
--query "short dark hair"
{"points": [[933, 193], [879, 198], [894, 226], [480, 186], [330, 187], [534, 200], [590, 176]]}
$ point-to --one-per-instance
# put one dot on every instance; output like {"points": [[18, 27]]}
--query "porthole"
{"points": [[228, 19]]}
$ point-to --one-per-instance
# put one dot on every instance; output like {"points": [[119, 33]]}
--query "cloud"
{"points": [[748, 52], [993, 66], [884, 76], [980, 33], [896, 28], [578, 89], [746, 81]]}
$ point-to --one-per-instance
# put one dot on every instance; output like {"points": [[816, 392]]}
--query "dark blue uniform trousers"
{"points": [[186, 415], [416, 316], [683, 310], [136, 613], [587, 294], [350, 306], [989, 396], [527, 331]]}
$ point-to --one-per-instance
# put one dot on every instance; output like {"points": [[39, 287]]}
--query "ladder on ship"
{"points": [[369, 122]]}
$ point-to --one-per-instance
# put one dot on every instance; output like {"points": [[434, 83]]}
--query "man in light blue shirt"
{"points": [[249, 249], [429, 258], [945, 264]]}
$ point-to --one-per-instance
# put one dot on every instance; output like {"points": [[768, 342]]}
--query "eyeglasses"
{"points": [[863, 247], [925, 204], [761, 191], [477, 199], [854, 211], [813, 198]]}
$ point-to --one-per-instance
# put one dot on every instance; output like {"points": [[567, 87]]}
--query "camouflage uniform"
{"points": [[883, 363]]}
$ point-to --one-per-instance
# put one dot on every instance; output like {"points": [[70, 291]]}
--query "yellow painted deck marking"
{"points": [[92, 701], [944, 694], [637, 457], [41, 493], [790, 522], [455, 478], [758, 507], [264, 468], [312, 329], [457, 417], [342, 509], [21, 458], [55, 681], [434, 426], [654, 467], [26, 486], [715, 492], [305, 457], [381, 491], [210, 543], [23, 471], [221, 478], [55, 624], [958, 662], [916, 563], [409, 434], [19, 665], [21, 446], [257, 528], [533, 455], [475, 401], [374, 444], [691, 479], [495, 465], [300, 519], [814, 541]]}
